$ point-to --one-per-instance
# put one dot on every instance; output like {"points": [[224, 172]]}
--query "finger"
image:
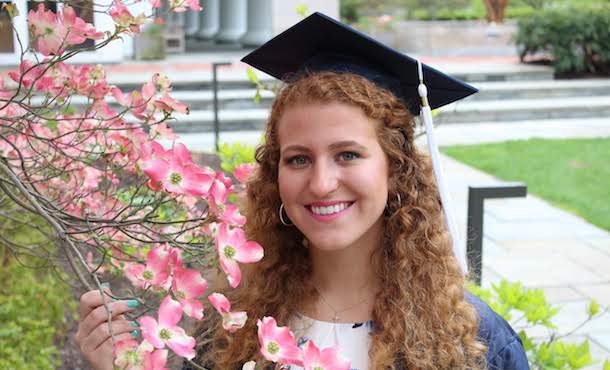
{"points": [[101, 333], [91, 300], [100, 315], [105, 352]]}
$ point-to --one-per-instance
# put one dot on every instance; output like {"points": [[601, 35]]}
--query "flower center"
{"points": [[175, 178], [133, 358], [165, 334], [273, 347], [148, 275], [229, 251], [181, 294]]}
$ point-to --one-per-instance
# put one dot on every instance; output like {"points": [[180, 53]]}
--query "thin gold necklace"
{"points": [[336, 312]]}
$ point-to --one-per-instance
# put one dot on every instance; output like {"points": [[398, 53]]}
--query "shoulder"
{"points": [[505, 350]]}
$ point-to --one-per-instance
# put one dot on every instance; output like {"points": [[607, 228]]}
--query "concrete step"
{"points": [[524, 109], [236, 78], [502, 91], [464, 112], [511, 90]]}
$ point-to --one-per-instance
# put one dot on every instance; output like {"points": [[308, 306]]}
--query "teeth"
{"points": [[329, 210]]}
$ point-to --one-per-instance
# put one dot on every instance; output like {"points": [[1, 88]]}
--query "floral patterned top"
{"points": [[353, 339]]}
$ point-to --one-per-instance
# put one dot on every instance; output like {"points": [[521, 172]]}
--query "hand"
{"points": [[93, 334]]}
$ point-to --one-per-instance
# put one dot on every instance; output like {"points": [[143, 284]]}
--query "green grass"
{"points": [[571, 174]]}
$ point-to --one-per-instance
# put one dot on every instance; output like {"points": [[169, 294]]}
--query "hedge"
{"points": [[577, 38]]}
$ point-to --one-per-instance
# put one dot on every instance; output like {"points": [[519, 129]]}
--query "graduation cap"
{"points": [[320, 43]]}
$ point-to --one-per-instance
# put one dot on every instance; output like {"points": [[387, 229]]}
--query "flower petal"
{"points": [[150, 331], [170, 312]]}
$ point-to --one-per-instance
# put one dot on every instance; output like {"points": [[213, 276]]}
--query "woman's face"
{"points": [[333, 174]]}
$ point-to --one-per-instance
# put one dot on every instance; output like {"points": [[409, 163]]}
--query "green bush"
{"points": [[577, 38], [528, 308], [33, 304]]}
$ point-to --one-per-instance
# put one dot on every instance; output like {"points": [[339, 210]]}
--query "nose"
{"points": [[324, 179]]}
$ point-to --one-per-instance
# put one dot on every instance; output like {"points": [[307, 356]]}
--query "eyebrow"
{"points": [[333, 146]]}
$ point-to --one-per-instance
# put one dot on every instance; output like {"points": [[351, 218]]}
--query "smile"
{"points": [[328, 212]]}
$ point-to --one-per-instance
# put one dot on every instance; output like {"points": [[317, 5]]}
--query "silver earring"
{"points": [[282, 216], [398, 199]]}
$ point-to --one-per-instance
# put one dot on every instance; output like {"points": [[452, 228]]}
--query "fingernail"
{"points": [[132, 303], [105, 285], [135, 324], [114, 299], [134, 333]]}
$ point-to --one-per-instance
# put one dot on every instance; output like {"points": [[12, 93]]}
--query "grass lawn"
{"points": [[572, 174]]}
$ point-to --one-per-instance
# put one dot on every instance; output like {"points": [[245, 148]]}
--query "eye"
{"points": [[297, 160], [348, 156]]}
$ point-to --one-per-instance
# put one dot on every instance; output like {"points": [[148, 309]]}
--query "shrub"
{"points": [[33, 305], [577, 38], [527, 308]]}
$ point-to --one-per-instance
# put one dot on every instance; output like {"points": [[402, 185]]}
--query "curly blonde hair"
{"points": [[422, 320]]}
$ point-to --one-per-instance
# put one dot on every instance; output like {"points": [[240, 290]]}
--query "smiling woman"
{"points": [[358, 259], [357, 254]]}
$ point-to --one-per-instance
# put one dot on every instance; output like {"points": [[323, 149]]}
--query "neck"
{"points": [[346, 277]]}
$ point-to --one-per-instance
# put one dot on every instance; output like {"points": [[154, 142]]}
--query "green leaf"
{"points": [[593, 308], [606, 365], [252, 76], [52, 124], [303, 10], [257, 96]]}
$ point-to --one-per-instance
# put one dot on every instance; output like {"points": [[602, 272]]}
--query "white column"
{"points": [[209, 20], [233, 17], [191, 26], [260, 27]]}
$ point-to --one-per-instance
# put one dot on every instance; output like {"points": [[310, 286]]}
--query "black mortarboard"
{"points": [[320, 43]]}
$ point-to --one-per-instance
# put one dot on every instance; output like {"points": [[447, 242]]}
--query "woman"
{"points": [[356, 249]]}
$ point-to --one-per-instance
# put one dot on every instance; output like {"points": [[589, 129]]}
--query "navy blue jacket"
{"points": [[505, 351]]}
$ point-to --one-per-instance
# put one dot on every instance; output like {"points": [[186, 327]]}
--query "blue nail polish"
{"points": [[134, 333], [135, 324], [132, 303], [114, 299]]}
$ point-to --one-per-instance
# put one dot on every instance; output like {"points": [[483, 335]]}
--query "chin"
{"points": [[331, 243]]}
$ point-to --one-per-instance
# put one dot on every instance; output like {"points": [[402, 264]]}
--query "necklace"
{"points": [[335, 311]]}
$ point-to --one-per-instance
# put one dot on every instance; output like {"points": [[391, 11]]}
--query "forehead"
{"points": [[317, 124]]}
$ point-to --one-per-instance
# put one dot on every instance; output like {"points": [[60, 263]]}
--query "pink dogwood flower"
{"points": [[179, 6], [231, 321], [169, 104], [243, 171], [156, 271], [166, 331], [277, 344], [131, 355], [178, 174], [124, 19], [55, 31], [188, 285], [327, 359], [233, 247]]}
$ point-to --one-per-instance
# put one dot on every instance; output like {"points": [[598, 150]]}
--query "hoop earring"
{"points": [[282, 217], [398, 199]]}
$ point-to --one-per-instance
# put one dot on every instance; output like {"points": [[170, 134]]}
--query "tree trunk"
{"points": [[495, 10]]}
